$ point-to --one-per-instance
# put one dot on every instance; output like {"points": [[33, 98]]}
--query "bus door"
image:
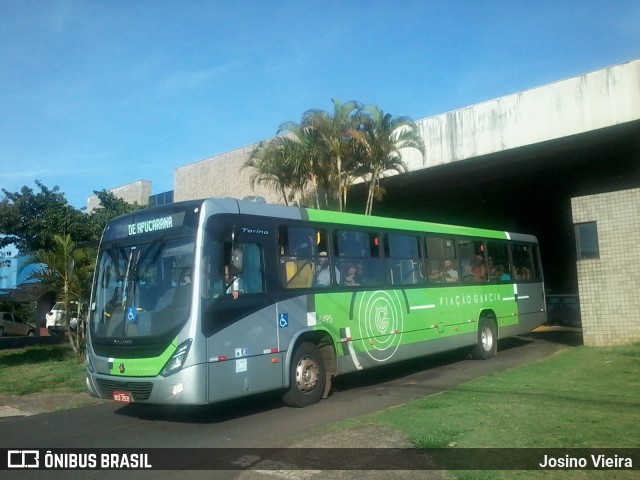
{"points": [[529, 286], [237, 314]]}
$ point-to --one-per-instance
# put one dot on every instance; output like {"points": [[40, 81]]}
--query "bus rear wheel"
{"points": [[487, 343], [307, 377]]}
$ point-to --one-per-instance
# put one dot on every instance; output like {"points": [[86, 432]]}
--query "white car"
{"points": [[55, 322]]}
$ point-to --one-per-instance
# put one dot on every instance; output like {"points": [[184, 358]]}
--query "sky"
{"points": [[95, 94]]}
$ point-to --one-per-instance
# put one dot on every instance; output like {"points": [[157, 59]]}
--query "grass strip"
{"points": [[50, 369], [584, 397]]}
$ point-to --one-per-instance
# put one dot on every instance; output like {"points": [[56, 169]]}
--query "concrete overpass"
{"points": [[516, 162]]}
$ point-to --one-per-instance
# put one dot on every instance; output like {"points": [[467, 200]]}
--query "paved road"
{"points": [[260, 421]]}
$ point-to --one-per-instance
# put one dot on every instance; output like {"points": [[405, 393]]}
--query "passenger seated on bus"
{"points": [[479, 269], [522, 273], [323, 272], [435, 274], [349, 276], [449, 274], [498, 273], [360, 277]]}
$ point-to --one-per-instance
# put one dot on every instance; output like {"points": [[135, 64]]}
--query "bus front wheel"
{"points": [[487, 343], [306, 377]]}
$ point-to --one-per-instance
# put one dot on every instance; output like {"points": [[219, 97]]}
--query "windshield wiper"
{"points": [[125, 287]]}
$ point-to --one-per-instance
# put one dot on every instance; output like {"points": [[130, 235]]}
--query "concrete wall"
{"points": [[222, 176], [600, 99], [134, 192], [609, 285]]}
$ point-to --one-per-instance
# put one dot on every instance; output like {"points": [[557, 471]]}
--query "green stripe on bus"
{"points": [[143, 367], [369, 221]]}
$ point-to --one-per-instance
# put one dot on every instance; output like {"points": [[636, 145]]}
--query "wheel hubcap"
{"points": [[307, 374], [487, 339]]}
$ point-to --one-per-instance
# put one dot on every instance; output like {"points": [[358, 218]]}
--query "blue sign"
{"points": [[132, 315], [283, 321]]}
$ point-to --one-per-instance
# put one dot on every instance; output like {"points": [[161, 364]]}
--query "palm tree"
{"points": [[383, 139], [270, 169], [298, 156], [333, 134], [327, 151], [67, 272], [302, 148]]}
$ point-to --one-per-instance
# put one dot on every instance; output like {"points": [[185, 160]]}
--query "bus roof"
{"points": [[222, 205]]}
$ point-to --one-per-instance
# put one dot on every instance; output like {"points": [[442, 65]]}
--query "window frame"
{"points": [[580, 251]]}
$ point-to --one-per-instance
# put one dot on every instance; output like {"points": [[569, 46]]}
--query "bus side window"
{"points": [[404, 265], [362, 250], [525, 261], [498, 261], [474, 263], [442, 262], [299, 250]]}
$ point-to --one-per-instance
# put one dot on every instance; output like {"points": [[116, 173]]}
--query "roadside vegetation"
{"points": [[56, 240], [42, 369]]}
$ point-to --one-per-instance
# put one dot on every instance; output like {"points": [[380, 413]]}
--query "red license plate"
{"points": [[123, 397]]}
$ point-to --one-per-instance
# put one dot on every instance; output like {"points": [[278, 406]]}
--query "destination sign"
{"points": [[176, 219], [148, 226]]}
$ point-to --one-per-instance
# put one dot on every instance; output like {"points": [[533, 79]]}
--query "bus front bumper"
{"points": [[186, 387]]}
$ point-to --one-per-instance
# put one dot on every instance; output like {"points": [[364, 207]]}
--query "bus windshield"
{"points": [[142, 290]]}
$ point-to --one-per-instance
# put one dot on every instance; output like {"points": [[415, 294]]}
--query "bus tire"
{"points": [[487, 343], [307, 377]]}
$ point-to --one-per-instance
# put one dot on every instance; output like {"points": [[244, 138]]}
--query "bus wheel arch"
{"points": [[313, 364], [486, 346]]}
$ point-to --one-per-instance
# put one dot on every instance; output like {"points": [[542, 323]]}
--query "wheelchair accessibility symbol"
{"points": [[283, 321], [132, 315]]}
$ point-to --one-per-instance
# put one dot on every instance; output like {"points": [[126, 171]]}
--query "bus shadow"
{"points": [[396, 371], [260, 403]]}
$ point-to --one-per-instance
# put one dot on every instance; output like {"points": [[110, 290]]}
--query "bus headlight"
{"points": [[177, 360]]}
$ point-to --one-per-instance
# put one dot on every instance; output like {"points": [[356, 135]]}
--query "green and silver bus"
{"points": [[204, 301]]}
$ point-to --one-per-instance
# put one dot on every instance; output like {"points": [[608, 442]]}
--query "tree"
{"points": [[45, 225], [67, 271], [336, 134], [271, 169], [327, 151], [384, 137], [110, 207], [302, 150], [30, 220]]}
